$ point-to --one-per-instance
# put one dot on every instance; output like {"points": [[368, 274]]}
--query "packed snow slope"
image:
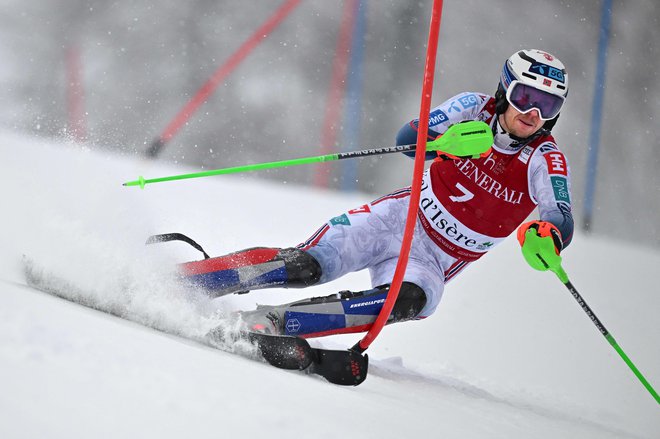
{"points": [[508, 354]]}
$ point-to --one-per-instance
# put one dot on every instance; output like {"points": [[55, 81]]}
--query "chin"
{"points": [[526, 131]]}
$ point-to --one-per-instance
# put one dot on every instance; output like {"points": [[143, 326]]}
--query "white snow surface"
{"points": [[508, 354]]}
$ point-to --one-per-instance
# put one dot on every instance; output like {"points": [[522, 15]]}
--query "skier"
{"points": [[467, 206]]}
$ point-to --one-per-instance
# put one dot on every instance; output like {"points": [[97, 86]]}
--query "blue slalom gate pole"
{"points": [[353, 112], [597, 115]]}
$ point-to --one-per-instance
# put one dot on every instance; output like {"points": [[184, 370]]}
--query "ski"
{"points": [[285, 352], [348, 368]]}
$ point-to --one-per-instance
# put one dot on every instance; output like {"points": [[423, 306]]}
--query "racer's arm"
{"points": [[550, 186], [407, 135], [543, 240], [462, 107]]}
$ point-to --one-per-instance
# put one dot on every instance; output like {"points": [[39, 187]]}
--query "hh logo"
{"points": [[556, 163], [362, 209]]}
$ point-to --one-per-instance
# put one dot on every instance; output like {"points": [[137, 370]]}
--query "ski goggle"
{"points": [[526, 98]]}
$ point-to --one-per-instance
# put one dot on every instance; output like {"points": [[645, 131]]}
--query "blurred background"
{"points": [[329, 76]]}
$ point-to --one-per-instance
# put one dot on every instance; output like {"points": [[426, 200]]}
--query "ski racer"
{"points": [[468, 205]]}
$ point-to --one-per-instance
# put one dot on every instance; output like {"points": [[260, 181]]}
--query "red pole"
{"points": [[75, 95], [336, 91], [220, 74], [420, 153]]}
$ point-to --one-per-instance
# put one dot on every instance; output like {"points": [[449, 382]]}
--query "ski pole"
{"points": [[563, 277], [457, 137]]}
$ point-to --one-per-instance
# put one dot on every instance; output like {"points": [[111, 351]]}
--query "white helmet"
{"points": [[533, 79]]}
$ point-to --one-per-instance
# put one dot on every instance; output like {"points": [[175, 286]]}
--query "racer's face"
{"points": [[519, 124]]}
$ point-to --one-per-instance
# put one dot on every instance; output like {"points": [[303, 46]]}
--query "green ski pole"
{"points": [[540, 254], [467, 138], [563, 277]]}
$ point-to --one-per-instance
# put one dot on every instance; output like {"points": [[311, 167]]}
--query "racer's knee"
{"points": [[409, 303], [302, 268]]}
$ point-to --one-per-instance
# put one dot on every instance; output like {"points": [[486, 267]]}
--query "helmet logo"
{"points": [[547, 82], [547, 71], [548, 56]]}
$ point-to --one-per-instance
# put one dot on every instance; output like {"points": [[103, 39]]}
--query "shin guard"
{"points": [[341, 313]]}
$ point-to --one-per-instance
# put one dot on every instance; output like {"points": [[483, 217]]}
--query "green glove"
{"points": [[541, 244], [467, 139]]}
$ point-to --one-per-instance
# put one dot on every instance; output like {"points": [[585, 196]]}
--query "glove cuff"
{"points": [[543, 229]]}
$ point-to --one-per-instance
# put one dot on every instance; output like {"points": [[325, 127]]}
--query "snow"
{"points": [[508, 354]]}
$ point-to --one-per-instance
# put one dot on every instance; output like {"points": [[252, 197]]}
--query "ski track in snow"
{"points": [[391, 369], [398, 372]]}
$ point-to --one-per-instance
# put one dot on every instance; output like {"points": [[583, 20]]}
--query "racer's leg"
{"points": [[253, 269], [340, 313], [350, 242]]}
